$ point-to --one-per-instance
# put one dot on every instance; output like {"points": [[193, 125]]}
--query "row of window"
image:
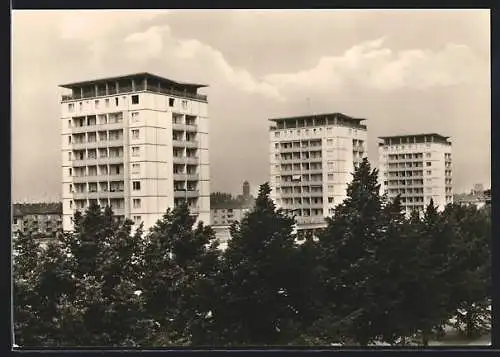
{"points": [[306, 132], [136, 203], [134, 100], [404, 147], [114, 186]]}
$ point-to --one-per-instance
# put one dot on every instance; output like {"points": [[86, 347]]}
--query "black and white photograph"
{"points": [[278, 179]]}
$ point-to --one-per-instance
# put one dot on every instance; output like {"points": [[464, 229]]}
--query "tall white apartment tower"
{"points": [[312, 159], [418, 167], [138, 143]]}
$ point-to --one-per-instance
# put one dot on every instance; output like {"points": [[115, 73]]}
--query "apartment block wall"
{"points": [[338, 156], [151, 148], [436, 171]]}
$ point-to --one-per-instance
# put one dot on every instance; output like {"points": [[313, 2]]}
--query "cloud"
{"points": [[90, 25], [373, 66], [158, 42]]}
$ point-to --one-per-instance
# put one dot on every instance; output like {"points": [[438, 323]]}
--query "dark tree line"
{"points": [[371, 275]]}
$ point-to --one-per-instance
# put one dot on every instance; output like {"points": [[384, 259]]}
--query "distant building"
{"points": [[312, 158], [418, 168], [223, 214], [43, 220], [478, 189], [137, 143], [246, 190], [477, 197]]}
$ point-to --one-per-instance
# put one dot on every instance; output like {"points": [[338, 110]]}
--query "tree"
{"points": [[180, 265], [348, 248], [87, 284], [471, 261], [395, 270], [255, 306], [25, 299], [432, 272]]}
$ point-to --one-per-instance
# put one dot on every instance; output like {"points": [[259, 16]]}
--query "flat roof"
{"points": [[23, 209], [413, 135], [343, 116], [131, 76]]}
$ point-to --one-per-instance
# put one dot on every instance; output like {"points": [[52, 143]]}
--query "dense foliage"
{"points": [[373, 274]]}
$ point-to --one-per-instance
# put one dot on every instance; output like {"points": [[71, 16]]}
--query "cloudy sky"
{"points": [[404, 71]]}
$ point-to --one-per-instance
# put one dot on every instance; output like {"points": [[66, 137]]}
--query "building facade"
{"points": [[417, 167], [478, 197], [138, 143], [312, 159], [41, 219]]}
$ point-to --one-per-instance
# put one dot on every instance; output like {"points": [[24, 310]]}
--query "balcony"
{"points": [[118, 211], [113, 194], [184, 127], [186, 194], [98, 178], [288, 150], [178, 143], [79, 145], [97, 127], [186, 160], [185, 177], [112, 160], [87, 162], [314, 171], [310, 220], [115, 142], [193, 144]]}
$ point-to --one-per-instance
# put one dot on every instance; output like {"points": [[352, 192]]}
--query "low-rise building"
{"points": [[476, 197], [41, 219]]}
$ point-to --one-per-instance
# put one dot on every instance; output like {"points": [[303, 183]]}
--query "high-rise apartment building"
{"points": [[418, 167], [138, 143], [312, 160]]}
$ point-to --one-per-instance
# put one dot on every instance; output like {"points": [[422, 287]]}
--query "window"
{"points": [[70, 171], [69, 156], [429, 172], [97, 104], [71, 107], [329, 142], [135, 151], [136, 203], [135, 133], [80, 105], [276, 146], [330, 199], [428, 163], [171, 102], [330, 188], [136, 185], [277, 134], [70, 188], [70, 204], [106, 102], [135, 117], [427, 154], [137, 219], [330, 177], [69, 139], [184, 104], [330, 165], [136, 168], [15, 220], [116, 101], [135, 99]]}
